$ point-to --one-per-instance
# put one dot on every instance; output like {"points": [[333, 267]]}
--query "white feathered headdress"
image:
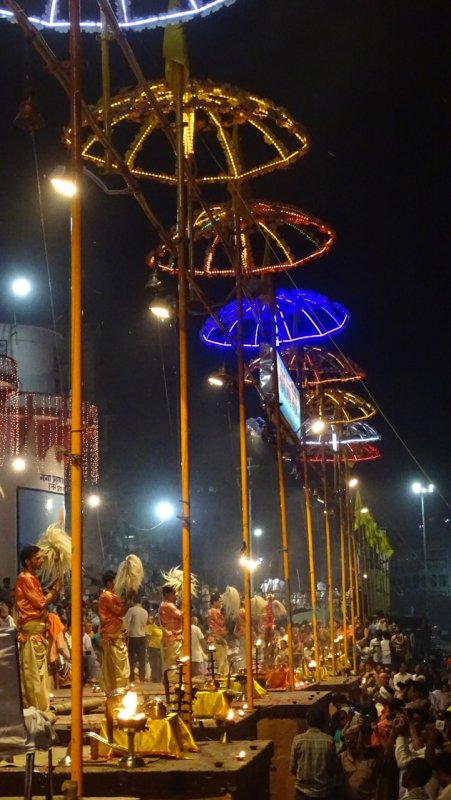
{"points": [[174, 578], [278, 609], [258, 605], [129, 575], [231, 602], [56, 549]]}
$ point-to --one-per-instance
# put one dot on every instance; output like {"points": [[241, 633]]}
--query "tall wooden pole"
{"points": [[178, 73], [76, 379], [350, 569]]}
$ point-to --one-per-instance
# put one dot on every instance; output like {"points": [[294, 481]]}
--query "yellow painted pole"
{"points": [[243, 466], [283, 524], [330, 587], [276, 414], [178, 72], [351, 572], [311, 561], [342, 556], [76, 380], [106, 85]]}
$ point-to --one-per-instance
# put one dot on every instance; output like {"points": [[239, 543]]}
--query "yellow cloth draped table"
{"points": [[211, 704], [259, 691], [163, 737]]}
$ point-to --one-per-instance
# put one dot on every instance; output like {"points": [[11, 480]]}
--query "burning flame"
{"points": [[231, 715], [129, 706]]}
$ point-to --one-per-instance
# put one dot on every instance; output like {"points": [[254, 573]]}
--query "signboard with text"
{"points": [[289, 397]]}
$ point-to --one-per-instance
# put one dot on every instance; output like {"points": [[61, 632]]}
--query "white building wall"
{"points": [[34, 349]]}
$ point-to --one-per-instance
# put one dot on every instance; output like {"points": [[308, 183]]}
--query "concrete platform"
{"points": [[349, 686], [212, 773]]}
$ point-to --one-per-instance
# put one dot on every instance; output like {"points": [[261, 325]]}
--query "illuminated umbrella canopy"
{"points": [[324, 366], [337, 437], [53, 15], [274, 237], [350, 453], [269, 137], [300, 315], [337, 406], [319, 365]]}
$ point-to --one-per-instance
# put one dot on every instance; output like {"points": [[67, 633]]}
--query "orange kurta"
{"points": [[111, 612], [29, 599], [171, 621]]}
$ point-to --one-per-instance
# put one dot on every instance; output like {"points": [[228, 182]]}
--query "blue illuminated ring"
{"points": [[189, 9], [300, 316]]}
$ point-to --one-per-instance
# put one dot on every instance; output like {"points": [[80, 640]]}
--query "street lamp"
{"points": [[258, 531], [418, 488], [93, 501], [164, 511], [21, 286]]}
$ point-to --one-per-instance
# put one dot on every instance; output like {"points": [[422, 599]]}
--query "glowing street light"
{"points": [[21, 287], [258, 531], [62, 183], [164, 511], [418, 488], [353, 482], [364, 510], [93, 501], [19, 464], [318, 426], [160, 308]]}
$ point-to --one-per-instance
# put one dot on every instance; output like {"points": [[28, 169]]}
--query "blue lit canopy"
{"points": [[131, 17], [300, 316]]}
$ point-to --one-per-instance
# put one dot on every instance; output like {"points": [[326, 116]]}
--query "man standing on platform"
{"points": [[171, 621], [218, 632], [313, 760], [115, 668], [31, 616], [135, 622]]}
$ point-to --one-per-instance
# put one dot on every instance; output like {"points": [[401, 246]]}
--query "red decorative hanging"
{"points": [[9, 390]]}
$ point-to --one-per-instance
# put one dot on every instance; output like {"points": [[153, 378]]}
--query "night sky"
{"points": [[370, 82]]}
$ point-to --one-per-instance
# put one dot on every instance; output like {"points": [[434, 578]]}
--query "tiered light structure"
{"points": [[210, 111], [281, 229], [54, 14]]}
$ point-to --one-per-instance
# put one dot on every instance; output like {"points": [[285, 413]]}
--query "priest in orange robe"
{"points": [[30, 611], [218, 632], [115, 667]]}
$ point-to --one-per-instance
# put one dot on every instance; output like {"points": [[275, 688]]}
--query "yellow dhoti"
{"points": [[221, 660], [172, 651], [33, 650], [115, 667]]}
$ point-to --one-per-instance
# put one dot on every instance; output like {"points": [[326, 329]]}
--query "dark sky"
{"points": [[370, 82]]}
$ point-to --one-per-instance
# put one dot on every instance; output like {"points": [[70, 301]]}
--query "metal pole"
{"points": [[311, 560], [283, 522], [76, 379], [243, 467], [425, 559], [342, 557], [351, 572], [178, 72], [106, 86], [328, 554]]}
